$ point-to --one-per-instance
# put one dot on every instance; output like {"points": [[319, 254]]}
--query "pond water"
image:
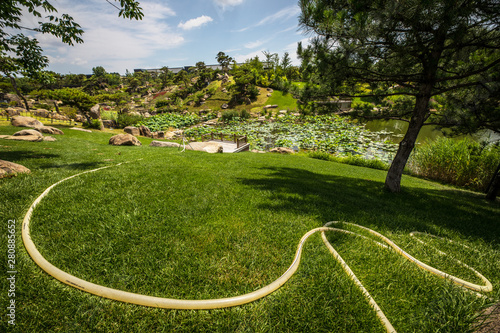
{"points": [[394, 130]]}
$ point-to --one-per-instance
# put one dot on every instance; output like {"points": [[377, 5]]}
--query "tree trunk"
{"points": [[14, 85], [420, 114], [494, 186]]}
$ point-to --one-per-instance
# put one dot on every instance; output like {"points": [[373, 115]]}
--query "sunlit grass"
{"points": [[195, 226]]}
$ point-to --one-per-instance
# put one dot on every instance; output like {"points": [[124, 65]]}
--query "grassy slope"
{"points": [[171, 225]]}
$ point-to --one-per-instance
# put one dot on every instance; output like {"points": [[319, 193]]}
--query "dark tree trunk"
{"points": [[494, 187], [420, 114], [14, 85]]}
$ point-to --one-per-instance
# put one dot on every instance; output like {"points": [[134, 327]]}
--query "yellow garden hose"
{"points": [[160, 302]]}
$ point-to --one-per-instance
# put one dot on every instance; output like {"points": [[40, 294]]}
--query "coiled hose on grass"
{"points": [[160, 302]]}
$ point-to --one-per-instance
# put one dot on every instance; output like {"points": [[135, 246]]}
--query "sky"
{"points": [[173, 33]]}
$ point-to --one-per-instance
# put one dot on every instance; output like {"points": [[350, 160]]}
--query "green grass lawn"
{"points": [[193, 225], [284, 101]]}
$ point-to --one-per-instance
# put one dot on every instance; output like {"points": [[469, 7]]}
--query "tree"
{"points": [[75, 98], [22, 55], [416, 48], [224, 60], [165, 77]]}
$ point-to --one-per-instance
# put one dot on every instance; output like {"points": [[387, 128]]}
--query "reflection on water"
{"points": [[394, 130]]}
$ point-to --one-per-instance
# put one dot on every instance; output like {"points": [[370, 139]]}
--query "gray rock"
{"points": [[145, 131], [95, 112], [132, 130], [164, 144]]}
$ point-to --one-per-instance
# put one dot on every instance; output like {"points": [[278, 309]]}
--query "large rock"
{"points": [[109, 123], [95, 112], [209, 147], [49, 130], [282, 150], [145, 131], [41, 113], [124, 140], [26, 135], [164, 144], [8, 169], [132, 130], [13, 112], [21, 121]]}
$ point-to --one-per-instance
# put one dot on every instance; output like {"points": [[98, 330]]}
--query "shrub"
{"points": [[94, 123], [161, 104], [351, 160], [43, 106], [123, 120], [458, 162], [234, 115]]}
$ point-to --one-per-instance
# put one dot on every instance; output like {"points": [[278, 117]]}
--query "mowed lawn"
{"points": [[192, 225]]}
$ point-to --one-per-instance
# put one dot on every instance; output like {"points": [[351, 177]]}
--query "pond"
{"points": [[394, 130]]}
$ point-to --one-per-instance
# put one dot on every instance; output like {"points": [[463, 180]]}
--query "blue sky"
{"points": [[174, 33]]}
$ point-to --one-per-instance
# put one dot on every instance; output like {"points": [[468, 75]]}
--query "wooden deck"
{"points": [[231, 147], [230, 143]]}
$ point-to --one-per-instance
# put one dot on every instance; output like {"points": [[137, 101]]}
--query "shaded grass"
{"points": [[194, 225]]}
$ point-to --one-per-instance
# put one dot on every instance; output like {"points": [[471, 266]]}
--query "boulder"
{"points": [[13, 112], [124, 140], [13, 98], [95, 112], [109, 123], [282, 150], [49, 139], [8, 169], [170, 135], [49, 130], [209, 147], [132, 130], [26, 135], [21, 121], [273, 106], [145, 131], [164, 144], [224, 106], [160, 134], [41, 113]]}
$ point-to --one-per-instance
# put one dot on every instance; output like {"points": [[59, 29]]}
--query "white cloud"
{"points": [[282, 15], [115, 43], [228, 3], [195, 23], [253, 45]]}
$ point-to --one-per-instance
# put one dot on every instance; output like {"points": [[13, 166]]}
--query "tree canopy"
{"points": [[414, 48]]}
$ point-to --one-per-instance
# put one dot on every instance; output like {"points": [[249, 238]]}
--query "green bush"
{"points": [[161, 104], [351, 160], [94, 123], [43, 106], [123, 120], [458, 162], [234, 115]]}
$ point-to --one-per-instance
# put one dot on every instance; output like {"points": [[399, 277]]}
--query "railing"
{"points": [[239, 140]]}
